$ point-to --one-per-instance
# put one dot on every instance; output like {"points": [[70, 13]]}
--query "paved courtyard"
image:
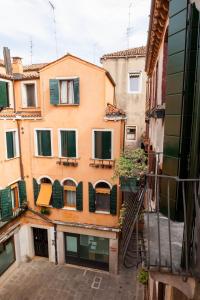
{"points": [[42, 280]]}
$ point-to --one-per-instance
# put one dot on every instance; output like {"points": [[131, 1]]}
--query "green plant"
{"points": [[122, 215], [132, 163], [45, 211], [143, 276]]}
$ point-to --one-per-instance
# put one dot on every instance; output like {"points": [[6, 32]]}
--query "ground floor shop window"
{"points": [[7, 255], [87, 250]]}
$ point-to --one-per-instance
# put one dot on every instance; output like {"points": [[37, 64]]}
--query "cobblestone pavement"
{"points": [[42, 280]]}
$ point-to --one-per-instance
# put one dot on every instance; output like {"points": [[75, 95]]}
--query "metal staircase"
{"points": [[132, 240]]}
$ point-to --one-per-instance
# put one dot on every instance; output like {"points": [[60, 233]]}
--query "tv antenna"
{"points": [[54, 21], [31, 50], [129, 31]]}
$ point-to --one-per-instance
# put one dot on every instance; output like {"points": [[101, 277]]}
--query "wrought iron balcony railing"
{"points": [[167, 242], [11, 216]]}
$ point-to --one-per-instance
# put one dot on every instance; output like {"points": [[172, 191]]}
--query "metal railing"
{"points": [[168, 232]]}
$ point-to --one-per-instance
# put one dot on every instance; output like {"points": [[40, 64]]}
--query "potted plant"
{"points": [[45, 211], [143, 276], [131, 168]]}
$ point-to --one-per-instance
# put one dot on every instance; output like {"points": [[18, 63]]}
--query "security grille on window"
{"points": [[43, 142], [134, 82], [102, 145], [69, 194], [131, 133], [11, 144], [30, 94]]}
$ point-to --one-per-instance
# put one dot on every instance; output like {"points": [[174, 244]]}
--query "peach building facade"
{"points": [[62, 133]]}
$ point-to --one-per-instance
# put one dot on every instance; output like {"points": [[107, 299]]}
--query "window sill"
{"points": [[102, 212], [12, 158], [62, 104], [134, 93], [40, 156], [69, 208], [30, 107]]}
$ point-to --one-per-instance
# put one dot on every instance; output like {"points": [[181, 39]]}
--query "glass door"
{"points": [[71, 247]]}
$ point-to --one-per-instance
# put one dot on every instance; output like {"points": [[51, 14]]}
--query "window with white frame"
{"points": [[68, 143], [66, 91], [130, 133], [134, 82], [69, 193], [5, 93], [43, 142], [12, 145], [102, 144], [29, 94]]}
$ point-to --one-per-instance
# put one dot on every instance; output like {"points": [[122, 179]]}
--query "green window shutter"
{"points": [[68, 143], [91, 190], [113, 200], [54, 91], [71, 141], [44, 142], [6, 204], [36, 189], [4, 102], [79, 196], [76, 91], [57, 195], [10, 144], [106, 144], [22, 192]]}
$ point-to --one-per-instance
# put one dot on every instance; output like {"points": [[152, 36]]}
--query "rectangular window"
{"points": [[44, 142], [4, 94], [102, 144], [70, 198], [134, 82], [30, 94], [11, 144], [130, 133], [66, 91], [68, 143]]}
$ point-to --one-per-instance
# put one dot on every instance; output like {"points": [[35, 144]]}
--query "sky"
{"points": [[85, 28]]}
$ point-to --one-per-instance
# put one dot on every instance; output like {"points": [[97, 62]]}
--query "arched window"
{"points": [[69, 193], [45, 180], [45, 194], [102, 197]]}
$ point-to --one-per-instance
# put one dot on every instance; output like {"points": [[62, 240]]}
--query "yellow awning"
{"points": [[44, 194], [69, 188], [102, 191]]}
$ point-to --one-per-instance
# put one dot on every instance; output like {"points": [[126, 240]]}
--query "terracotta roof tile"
{"points": [[114, 111], [6, 76], [132, 52], [27, 75], [23, 114], [34, 67]]}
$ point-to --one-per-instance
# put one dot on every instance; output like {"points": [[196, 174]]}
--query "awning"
{"points": [[44, 195], [102, 191], [70, 188]]}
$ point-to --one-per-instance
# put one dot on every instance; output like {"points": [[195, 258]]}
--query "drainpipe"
{"points": [[55, 243], [21, 167]]}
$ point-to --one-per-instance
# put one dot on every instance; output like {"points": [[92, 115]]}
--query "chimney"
{"points": [[7, 60], [17, 65]]}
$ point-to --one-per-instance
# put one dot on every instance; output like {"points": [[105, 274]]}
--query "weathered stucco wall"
{"points": [[132, 104]]}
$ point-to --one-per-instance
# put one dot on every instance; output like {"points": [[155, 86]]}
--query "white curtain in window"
{"points": [[71, 92], [71, 198], [63, 92], [134, 82]]}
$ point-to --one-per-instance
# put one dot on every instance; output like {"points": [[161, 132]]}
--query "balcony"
{"points": [[167, 243], [68, 162], [11, 216], [102, 163]]}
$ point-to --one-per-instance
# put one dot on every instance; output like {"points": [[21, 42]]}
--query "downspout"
{"points": [[55, 244], [21, 167]]}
